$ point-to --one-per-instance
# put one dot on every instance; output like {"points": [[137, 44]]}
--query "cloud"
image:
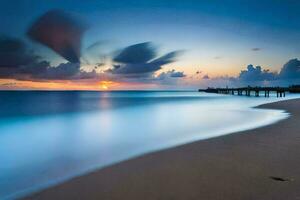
{"points": [[167, 58], [14, 53], [141, 59], [256, 49], [16, 59], [171, 79], [205, 77], [136, 54], [18, 62], [58, 30], [62, 71], [171, 74], [175, 74], [61, 32], [290, 70], [141, 68], [256, 74]]}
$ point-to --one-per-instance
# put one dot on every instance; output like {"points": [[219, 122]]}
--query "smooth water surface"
{"points": [[49, 137]]}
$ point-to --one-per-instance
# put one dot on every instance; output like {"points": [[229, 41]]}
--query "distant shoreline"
{"points": [[262, 163]]}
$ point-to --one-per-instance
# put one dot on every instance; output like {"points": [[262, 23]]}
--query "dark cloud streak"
{"points": [[256, 49], [136, 54], [140, 59], [61, 32]]}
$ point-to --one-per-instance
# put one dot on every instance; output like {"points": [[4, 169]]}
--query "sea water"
{"points": [[49, 137]]}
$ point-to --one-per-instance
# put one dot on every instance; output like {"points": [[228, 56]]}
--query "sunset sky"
{"points": [[153, 44]]}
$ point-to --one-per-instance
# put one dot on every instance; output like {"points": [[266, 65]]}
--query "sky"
{"points": [[148, 44]]}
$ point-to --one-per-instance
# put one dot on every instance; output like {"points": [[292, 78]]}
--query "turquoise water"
{"points": [[49, 137]]}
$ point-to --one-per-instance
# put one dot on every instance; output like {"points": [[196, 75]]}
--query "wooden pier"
{"points": [[256, 91]]}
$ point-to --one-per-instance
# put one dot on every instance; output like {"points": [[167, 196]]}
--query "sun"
{"points": [[108, 85], [104, 87]]}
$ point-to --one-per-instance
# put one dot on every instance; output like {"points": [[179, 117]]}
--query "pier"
{"points": [[248, 91]]}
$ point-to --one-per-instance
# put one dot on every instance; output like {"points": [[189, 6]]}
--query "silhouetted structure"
{"points": [[280, 91], [294, 89]]}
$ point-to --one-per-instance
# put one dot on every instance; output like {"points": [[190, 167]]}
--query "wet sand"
{"points": [[263, 163]]}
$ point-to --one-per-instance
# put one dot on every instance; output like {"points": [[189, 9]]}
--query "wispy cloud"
{"points": [[256, 49]]}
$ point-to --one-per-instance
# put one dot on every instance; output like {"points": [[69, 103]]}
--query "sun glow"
{"points": [[106, 85], [13, 84]]}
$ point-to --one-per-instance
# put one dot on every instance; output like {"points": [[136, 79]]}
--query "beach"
{"points": [[261, 163]]}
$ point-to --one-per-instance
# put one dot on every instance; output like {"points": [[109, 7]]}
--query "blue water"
{"points": [[49, 137]]}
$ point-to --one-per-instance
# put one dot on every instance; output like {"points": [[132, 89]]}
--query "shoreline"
{"points": [[234, 166]]}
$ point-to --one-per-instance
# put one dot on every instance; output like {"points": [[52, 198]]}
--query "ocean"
{"points": [[50, 137]]}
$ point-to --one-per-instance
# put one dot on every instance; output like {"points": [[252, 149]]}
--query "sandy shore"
{"points": [[236, 166]]}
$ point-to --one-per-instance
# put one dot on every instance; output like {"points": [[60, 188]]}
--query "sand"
{"points": [[263, 163]]}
